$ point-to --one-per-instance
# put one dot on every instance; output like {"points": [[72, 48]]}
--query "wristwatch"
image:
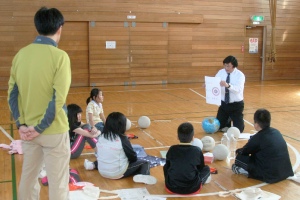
{"points": [[228, 85]]}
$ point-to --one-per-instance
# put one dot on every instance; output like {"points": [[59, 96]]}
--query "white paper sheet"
{"points": [[245, 135], [213, 90], [132, 193]]}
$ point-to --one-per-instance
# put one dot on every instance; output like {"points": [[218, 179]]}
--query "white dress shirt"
{"points": [[237, 82]]}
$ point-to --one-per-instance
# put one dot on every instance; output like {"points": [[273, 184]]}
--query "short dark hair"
{"points": [[94, 93], [48, 20], [232, 60], [115, 125], [263, 118], [185, 132], [73, 110]]}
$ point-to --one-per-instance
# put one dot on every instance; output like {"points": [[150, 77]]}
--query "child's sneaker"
{"points": [[147, 179], [239, 170], [88, 165], [208, 180]]}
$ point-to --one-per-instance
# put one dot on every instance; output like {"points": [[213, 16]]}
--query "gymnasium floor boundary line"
{"points": [[14, 180], [7, 181], [13, 167]]}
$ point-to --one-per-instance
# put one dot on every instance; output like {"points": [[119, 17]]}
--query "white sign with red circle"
{"points": [[213, 90]]}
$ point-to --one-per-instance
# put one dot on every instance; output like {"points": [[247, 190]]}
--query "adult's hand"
{"points": [[32, 133], [23, 132], [223, 84]]}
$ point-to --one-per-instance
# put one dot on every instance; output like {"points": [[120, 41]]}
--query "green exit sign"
{"points": [[257, 18]]}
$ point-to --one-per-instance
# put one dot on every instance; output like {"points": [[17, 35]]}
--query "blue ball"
{"points": [[210, 124]]}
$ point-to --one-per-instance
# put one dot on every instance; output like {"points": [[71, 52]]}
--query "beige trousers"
{"points": [[54, 151]]}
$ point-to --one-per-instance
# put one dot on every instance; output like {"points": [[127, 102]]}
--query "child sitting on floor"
{"points": [[80, 132], [185, 171], [94, 110], [265, 156], [116, 158]]}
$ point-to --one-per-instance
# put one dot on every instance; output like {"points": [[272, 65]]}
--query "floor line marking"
{"points": [[197, 93]]}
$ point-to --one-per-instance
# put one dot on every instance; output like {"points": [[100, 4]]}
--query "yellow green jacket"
{"points": [[39, 83]]}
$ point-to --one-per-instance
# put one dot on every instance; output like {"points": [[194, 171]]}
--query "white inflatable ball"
{"points": [[144, 122], [198, 143], [235, 131], [220, 152], [208, 143], [128, 124]]}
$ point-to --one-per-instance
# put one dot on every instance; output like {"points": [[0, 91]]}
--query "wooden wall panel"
{"points": [[207, 31], [109, 66], [148, 53], [74, 41], [213, 42], [116, 16], [12, 38], [180, 54]]}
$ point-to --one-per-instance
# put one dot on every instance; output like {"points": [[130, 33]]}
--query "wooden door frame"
{"points": [[263, 63]]}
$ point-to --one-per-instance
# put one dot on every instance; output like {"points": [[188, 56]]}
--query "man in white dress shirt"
{"points": [[232, 95]]}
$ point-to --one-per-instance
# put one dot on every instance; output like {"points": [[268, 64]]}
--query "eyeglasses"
{"points": [[227, 65]]}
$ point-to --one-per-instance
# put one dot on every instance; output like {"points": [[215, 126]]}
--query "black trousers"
{"points": [[178, 189], [134, 168], [138, 167], [234, 112], [242, 161]]}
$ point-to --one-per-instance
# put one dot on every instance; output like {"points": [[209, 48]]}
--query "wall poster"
{"points": [[253, 45]]}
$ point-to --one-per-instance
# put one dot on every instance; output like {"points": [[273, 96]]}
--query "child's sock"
{"points": [[88, 165]]}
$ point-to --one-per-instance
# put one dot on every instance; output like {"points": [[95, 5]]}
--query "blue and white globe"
{"points": [[210, 125]]}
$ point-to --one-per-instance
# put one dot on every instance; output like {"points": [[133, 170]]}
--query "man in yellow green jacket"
{"points": [[39, 82]]}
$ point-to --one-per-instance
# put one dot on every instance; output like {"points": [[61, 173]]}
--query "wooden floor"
{"points": [[168, 106]]}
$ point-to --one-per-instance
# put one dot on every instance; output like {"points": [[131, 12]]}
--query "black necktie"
{"points": [[227, 90]]}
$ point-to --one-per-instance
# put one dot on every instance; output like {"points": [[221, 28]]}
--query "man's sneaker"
{"points": [[88, 165], [238, 170], [147, 179]]}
